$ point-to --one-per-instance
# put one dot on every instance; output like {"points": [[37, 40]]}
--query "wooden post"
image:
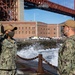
{"points": [[40, 67]]}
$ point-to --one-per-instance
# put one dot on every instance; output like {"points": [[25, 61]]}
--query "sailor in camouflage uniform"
{"points": [[66, 59], [9, 49]]}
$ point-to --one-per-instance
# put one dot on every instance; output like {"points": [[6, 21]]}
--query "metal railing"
{"points": [[41, 69]]}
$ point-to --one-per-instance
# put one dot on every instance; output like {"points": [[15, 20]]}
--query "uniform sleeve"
{"points": [[7, 44], [8, 54], [68, 57]]}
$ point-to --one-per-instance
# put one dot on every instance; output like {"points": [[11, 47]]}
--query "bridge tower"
{"points": [[20, 10], [11, 10], [74, 4]]}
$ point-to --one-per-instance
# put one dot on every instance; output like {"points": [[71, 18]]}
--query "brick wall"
{"points": [[29, 29]]}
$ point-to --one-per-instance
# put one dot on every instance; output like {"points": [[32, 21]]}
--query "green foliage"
{"points": [[23, 44], [48, 44], [45, 43]]}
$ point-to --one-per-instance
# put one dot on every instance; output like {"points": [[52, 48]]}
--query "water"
{"points": [[51, 55]]}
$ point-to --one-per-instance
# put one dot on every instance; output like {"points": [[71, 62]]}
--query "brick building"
{"points": [[34, 29]]}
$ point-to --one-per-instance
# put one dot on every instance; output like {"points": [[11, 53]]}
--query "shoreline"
{"points": [[45, 44]]}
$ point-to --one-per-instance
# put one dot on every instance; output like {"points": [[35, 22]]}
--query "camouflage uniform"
{"points": [[66, 59], [7, 57]]}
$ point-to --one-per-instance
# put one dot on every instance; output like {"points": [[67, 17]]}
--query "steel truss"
{"points": [[8, 10], [49, 6]]}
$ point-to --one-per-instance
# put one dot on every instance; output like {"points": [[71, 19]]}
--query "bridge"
{"points": [[9, 8]]}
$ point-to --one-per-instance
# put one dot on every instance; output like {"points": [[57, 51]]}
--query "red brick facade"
{"points": [[39, 29]]}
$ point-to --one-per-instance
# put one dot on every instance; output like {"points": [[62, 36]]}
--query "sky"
{"points": [[47, 16]]}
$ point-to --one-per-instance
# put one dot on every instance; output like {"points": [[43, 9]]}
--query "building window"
{"points": [[33, 32], [22, 32], [48, 33], [41, 32], [44, 29], [54, 29], [29, 32], [29, 27], [26, 32], [26, 27], [54, 33], [33, 27], [22, 28], [19, 27], [19, 32]]}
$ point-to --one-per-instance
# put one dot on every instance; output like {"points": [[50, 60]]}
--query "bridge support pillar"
{"points": [[20, 10]]}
